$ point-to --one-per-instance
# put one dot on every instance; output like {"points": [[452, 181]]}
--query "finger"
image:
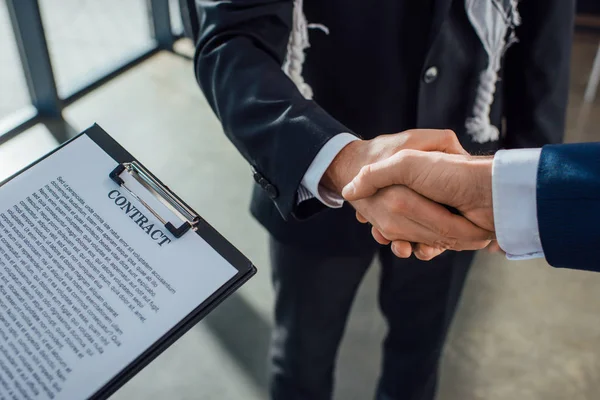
{"points": [[388, 172], [378, 236], [467, 235], [477, 245], [399, 213], [449, 230], [399, 228], [401, 249], [494, 247], [361, 218], [425, 253], [445, 224]]}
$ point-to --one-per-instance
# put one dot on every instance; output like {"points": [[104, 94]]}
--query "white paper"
{"points": [[74, 309]]}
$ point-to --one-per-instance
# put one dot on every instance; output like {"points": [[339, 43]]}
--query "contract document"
{"points": [[101, 268]]}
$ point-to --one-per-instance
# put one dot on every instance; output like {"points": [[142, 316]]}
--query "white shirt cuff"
{"points": [[514, 182], [310, 186]]}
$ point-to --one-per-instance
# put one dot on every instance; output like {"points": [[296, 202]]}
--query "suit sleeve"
{"points": [[537, 74], [568, 205], [238, 60]]}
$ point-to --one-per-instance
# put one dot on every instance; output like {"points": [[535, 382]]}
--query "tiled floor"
{"points": [[583, 119], [524, 330]]}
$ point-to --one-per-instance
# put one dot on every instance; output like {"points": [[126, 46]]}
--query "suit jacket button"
{"points": [[257, 177], [271, 190], [430, 75]]}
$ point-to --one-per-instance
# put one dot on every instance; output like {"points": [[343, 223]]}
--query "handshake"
{"points": [[419, 189]]}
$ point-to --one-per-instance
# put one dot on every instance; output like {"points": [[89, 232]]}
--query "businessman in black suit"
{"points": [[308, 118]]}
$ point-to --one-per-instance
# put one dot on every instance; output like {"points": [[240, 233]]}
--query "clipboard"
{"points": [[191, 224]]}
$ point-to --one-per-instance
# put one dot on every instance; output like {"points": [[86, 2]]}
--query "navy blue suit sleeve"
{"points": [[568, 205]]}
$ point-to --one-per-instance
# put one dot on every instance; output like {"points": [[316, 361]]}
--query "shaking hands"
{"points": [[402, 183]]}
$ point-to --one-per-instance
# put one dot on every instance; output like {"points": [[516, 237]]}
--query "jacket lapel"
{"points": [[440, 12]]}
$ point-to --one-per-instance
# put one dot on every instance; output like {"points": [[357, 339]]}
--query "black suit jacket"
{"points": [[360, 83]]}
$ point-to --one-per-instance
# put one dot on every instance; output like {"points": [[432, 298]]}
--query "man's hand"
{"points": [[399, 213], [357, 154], [457, 180]]}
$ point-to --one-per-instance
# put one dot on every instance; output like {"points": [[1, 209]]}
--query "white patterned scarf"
{"points": [[494, 22]]}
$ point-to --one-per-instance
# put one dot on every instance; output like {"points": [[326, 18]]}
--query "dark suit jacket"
{"points": [[360, 83], [568, 205]]}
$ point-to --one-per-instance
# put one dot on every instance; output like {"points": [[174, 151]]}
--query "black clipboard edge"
{"points": [[173, 335], [231, 254], [244, 267]]}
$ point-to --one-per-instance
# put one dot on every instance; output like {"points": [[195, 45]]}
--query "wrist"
{"points": [[345, 166], [482, 167], [482, 208]]}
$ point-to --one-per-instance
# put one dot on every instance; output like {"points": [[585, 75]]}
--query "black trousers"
{"points": [[313, 297]]}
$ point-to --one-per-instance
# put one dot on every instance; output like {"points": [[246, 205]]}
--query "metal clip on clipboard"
{"points": [[161, 192]]}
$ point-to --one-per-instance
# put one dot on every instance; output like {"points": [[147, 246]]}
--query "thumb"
{"points": [[391, 171], [362, 185]]}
